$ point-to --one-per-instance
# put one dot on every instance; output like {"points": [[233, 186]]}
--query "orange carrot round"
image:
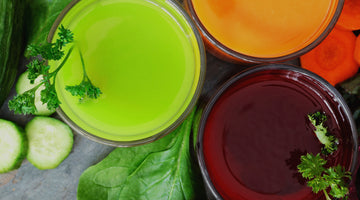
{"points": [[350, 15], [333, 58], [357, 50]]}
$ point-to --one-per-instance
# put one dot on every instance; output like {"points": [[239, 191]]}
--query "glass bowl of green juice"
{"points": [[147, 58]]}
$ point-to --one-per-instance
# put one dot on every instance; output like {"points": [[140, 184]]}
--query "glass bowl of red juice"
{"points": [[147, 58], [258, 31], [253, 131]]}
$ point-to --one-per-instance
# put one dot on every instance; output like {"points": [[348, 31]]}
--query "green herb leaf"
{"points": [[159, 170], [320, 178], [65, 37], [36, 68], [48, 51], [311, 166], [329, 141], [24, 103], [49, 96], [335, 176], [83, 90]]}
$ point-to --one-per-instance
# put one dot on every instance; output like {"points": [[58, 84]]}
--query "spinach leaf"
{"points": [[160, 170], [40, 16]]}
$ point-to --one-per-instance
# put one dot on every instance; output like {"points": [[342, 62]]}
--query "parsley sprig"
{"points": [[321, 178], [25, 103], [85, 88], [312, 167], [329, 141]]}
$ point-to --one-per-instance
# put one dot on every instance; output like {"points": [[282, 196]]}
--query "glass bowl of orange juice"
{"points": [[257, 31]]}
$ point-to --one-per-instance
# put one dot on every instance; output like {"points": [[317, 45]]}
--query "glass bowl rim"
{"points": [[178, 121], [257, 60], [207, 107]]}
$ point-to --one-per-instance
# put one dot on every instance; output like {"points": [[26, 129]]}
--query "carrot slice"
{"points": [[333, 58], [357, 50], [350, 15]]}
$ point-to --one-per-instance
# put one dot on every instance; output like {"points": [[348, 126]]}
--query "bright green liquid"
{"points": [[146, 65]]}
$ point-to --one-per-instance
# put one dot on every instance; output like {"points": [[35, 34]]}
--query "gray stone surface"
{"points": [[29, 183]]}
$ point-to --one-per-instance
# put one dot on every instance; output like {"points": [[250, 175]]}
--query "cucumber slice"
{"points": [[50, 142], [23, 84], [13, 146]]}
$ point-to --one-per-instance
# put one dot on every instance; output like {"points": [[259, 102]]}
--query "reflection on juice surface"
{"points": [[263, 28], [144, 57], [257, 130]]}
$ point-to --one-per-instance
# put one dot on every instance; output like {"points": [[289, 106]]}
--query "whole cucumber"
{"points": [[11, 43]]}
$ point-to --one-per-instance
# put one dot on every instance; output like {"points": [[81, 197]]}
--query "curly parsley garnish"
{"points": [[321, 178], [25, 103], [329, 141], [85, 88], [333, 179]]}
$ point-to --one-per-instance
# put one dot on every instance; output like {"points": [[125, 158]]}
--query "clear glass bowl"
{"points": [[214, 113], [175, 10], [220, 50]]}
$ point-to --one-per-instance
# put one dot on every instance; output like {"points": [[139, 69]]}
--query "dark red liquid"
{"points": [[258, 129]]}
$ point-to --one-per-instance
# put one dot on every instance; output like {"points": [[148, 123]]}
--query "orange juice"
{"points": [[264, 29]]}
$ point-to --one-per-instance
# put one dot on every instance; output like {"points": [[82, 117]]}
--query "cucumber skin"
{"points": [[24, 147], [11, 43], [33, 162]]}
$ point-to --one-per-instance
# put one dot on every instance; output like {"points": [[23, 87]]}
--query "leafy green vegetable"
{"points": [[352, 85], [350, 90], [159, 170], [195, 128], [11, 43], [40, 16], [321, 178], [25, 103], [329, 141]]}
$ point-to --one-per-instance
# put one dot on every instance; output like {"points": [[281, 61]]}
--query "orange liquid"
{"points": [[265, 28]]}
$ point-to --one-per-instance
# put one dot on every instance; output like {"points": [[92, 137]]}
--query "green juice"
{"points": [[144, 57]]}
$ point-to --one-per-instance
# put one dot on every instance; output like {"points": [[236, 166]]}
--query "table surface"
{"points": [[61, 183]]}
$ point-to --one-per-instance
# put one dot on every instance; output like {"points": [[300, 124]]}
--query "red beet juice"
{"points": [[257, 128]]}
